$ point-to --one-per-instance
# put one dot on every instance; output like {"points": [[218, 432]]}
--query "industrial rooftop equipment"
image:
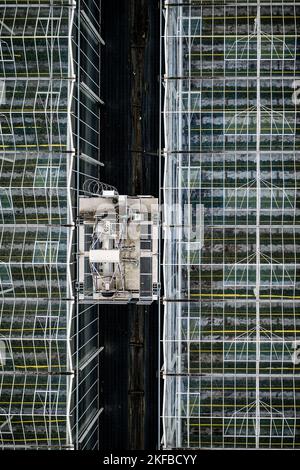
{"points": [[118, 242]]}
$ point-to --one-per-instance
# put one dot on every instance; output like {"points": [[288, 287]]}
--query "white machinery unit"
{"points": [[118, 248]]}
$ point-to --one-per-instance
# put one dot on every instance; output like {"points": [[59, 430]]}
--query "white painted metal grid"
{"points": [[231, 328], [36, 224]]}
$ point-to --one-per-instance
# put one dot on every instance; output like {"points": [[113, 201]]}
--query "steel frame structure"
{"points": [[231, 225], [86, 348], [49, 344]]}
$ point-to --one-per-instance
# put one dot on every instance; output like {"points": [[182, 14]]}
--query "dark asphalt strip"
{"points": [[129, 141]]}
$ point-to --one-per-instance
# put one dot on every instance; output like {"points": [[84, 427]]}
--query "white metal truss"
{"points": [[231, 284], [36, 224]]}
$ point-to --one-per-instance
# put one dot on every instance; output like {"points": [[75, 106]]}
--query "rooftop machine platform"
{"points": [[118, 244]]}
